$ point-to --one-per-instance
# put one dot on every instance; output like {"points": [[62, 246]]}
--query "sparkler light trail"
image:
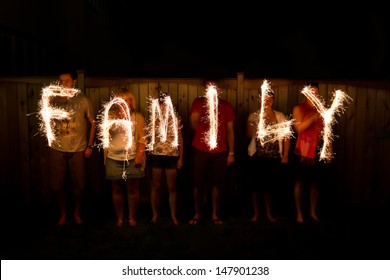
{"points": [[116, 116], [339, 97], [163, 122], [271, 133], [212, 109], [120, 119], [48, 113]]}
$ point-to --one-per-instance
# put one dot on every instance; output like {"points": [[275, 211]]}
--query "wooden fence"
{"points": [[361, 146]]}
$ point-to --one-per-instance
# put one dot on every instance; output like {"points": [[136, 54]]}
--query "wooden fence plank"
{"points": [[350, 145], [282, 100], [369, 145], [384, 134], [173, 92], [37, 141], [24, 141], [13, 136], [339, 145], [4, 139]]}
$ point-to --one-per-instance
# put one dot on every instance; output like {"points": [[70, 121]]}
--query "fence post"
{"points": [[81, 80]]}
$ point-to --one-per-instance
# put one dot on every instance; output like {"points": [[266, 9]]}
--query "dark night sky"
{"points": [[208, 41], [202, 42]]}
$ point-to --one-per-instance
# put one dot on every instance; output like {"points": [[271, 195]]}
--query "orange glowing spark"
{"points": [[271, 133], [212, 114], [339, 97], [163, 120], [48, 113]]}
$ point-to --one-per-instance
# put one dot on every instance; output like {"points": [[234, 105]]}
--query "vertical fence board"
{"points": [[369, 145], [162, 87], [173, 92], [4, 141], [24, 140], [254, 101], [282, 100], [13, 136], [143, 98], [359, 140], [350, 145], [339, 144], [385, 163], [37, 141]]}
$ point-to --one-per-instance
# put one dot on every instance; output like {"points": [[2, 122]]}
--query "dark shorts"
{"points": [[60, 163], [118, 170], [165, 162], [208, 169]]}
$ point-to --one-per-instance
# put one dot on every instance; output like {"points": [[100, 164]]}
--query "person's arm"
{"points": [[230, 141], [91, 139], [281, 118], [141, 140], [286, 149], [195, 118], [250, 128], [181, 147], [300, 124]]}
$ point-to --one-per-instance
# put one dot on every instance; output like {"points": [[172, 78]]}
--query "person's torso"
{"points": [[203, 132], [71, 132]]}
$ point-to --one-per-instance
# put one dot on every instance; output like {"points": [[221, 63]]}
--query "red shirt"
{"points": [[307, 141], [225, 114]]}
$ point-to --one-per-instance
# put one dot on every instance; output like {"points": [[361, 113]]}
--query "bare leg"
{"points": [[133, 199], [196, 217], [77, 206], [298, 200], [215, 201], [268, 203], [62, 206], [77, 173], [118, 200], [313, 201], [171, 183], [155, 192], [255, 203]]}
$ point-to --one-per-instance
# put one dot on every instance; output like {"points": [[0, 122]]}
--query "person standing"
{"points": [[165, 154], [211, 159], [266, 159], [124, 165], [72, 146], [308, 124]]}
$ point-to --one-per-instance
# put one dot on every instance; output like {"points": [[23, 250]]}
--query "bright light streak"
{"points": [[162, 123], [271, 133], [339, 97], [121, 119], [212, 115], [48, 113]]}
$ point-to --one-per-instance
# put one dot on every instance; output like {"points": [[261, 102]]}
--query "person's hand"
{"points": [[179, 164], [230, 160], [138, 160], [88, 152]]}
